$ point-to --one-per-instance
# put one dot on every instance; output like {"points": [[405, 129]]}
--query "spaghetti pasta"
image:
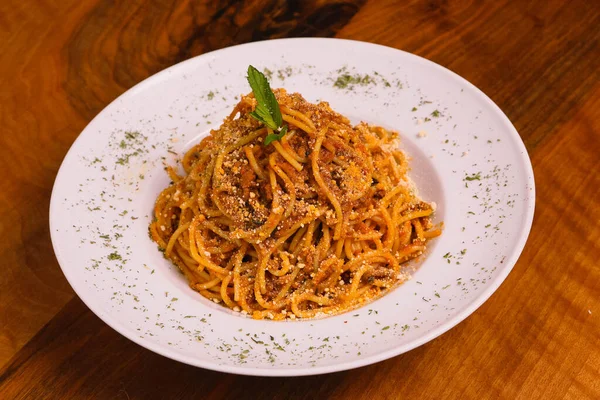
{"points": [[314, 224]]}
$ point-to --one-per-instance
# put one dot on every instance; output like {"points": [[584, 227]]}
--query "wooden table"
{"points": [[537, 337]]}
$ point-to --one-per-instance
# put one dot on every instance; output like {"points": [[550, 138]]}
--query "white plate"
{"points": [[469, 160]]}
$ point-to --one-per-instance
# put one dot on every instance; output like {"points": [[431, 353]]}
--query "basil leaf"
{"points": [[267, 107], [257, 117], [265, 117], [276, 136]]}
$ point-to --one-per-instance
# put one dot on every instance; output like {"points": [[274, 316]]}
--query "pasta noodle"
{"points": [[314, 224]]}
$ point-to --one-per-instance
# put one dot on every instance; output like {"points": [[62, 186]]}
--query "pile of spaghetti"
{"points": [[314, 224]]}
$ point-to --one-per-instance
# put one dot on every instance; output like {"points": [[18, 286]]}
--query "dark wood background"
{"points": [[538, 336]]}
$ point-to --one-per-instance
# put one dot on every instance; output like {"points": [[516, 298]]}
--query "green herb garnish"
{"points": [[267, 109], [276, 136], [474, 177]]}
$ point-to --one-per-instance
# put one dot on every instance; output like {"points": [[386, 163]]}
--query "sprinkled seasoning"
{"points": [[346, 80], [349, 79]]}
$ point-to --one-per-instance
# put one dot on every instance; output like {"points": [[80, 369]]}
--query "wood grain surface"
{"points": [[538, 337]]}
